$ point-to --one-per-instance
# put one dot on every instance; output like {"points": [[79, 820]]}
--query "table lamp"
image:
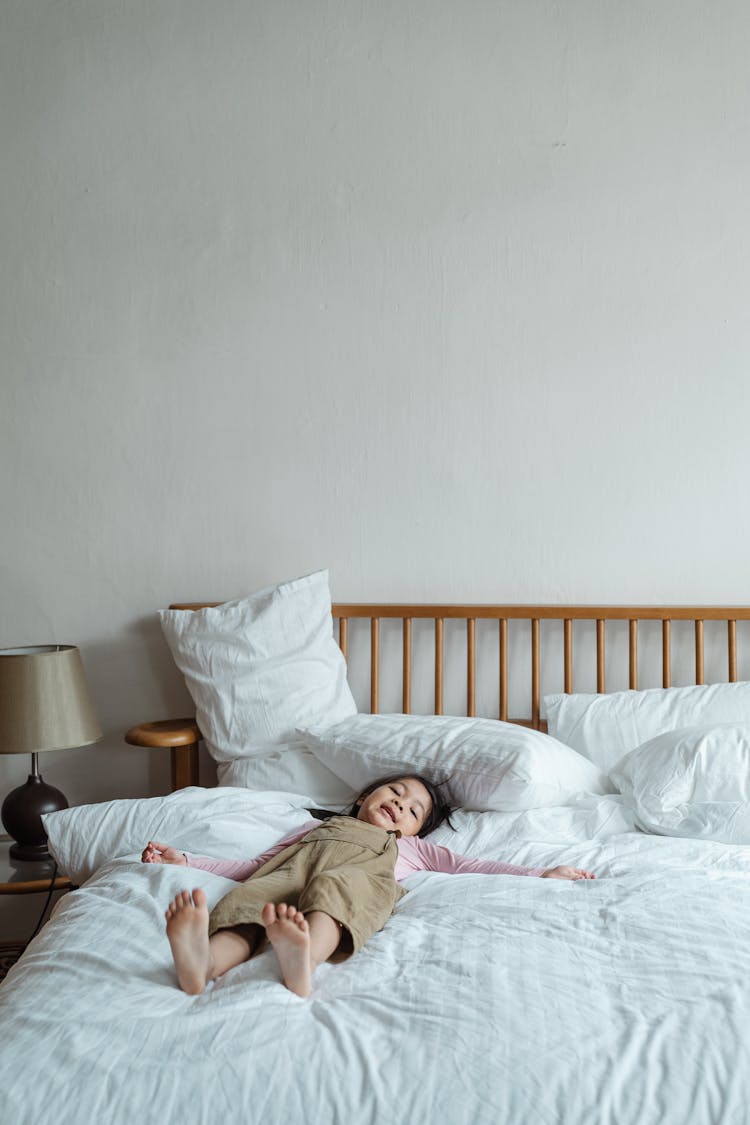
{"points": [[44, 705]]}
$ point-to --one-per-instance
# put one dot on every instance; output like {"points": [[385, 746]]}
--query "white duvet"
{"points": [[486, 999]]}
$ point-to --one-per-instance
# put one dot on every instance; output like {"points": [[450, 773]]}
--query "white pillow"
{"points": [[691, 782], [226, 823], [604, 727], [487, 764], [293, 768], [261, 666]]}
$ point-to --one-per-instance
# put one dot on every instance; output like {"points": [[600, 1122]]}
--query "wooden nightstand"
{"points": [[19, 877], [23, 878], [181, 738]]}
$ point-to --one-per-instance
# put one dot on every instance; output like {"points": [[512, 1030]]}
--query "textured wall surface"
{"points": [[450, 297]]}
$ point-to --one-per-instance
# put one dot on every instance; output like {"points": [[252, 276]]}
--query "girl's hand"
{"points": [[162, 853], [567, 873]]}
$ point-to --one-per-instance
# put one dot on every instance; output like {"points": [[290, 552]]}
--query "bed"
{"points": [[485, 999]]}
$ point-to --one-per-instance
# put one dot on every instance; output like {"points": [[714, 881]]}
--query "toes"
{"points": [[185, 901], [283, 913], [174, 907]]}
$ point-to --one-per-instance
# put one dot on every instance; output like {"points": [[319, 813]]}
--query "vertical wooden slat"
{"points": [[633, 656], [503, 623], [471, 666], [535, 673], [568, 646], [601, 685], [406, 692], [732, 642], [344, 636], [666, 652], [438, 665], [699, 652], [374, 663]]}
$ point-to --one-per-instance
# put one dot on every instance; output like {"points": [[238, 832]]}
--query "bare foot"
{"points": [[187, 930], [289, 934]]}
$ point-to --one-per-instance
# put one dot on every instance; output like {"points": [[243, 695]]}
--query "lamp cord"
{"points": [[46, 905]]}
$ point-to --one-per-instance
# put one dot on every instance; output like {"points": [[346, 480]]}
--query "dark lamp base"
{"points": [[30, 853], [22, 817]]}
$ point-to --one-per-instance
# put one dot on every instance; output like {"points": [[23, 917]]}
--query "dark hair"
{"points": [[440, 809]]}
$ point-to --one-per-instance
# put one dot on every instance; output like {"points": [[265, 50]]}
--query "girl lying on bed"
{"points": [[343, 874]]}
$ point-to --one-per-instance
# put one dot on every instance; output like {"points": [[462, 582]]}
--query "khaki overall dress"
{"points": [[344, 868]]}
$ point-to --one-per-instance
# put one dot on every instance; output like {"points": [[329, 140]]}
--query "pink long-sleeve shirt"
{"points": [[414, 855]]}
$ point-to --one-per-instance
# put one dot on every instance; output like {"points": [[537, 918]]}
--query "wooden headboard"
{"points": [[534, 616], [583, 633]]}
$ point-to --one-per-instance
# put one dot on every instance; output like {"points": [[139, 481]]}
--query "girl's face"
{"points": [[404, 805]]}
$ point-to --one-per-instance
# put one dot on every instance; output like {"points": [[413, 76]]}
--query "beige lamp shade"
{"points": [[44, 701]]}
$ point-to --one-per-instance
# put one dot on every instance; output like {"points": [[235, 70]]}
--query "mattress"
{"points": [[485, 998]]}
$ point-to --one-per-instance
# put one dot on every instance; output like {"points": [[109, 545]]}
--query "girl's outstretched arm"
{"points": [[242, 869], [421, 855]]}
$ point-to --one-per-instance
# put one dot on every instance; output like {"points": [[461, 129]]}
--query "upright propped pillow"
{"points": [[691, 782], [604, 727], [259, 667], [489, 765]]}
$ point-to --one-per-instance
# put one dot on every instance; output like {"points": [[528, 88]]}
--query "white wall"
{"points": [[448, 296]]}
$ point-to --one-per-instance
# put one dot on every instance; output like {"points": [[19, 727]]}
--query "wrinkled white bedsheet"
{"points": [[486, 999]]}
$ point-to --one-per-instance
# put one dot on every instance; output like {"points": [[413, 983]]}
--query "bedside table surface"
{"points": [[19, 877]]}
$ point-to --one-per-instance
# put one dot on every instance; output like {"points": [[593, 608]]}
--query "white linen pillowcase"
{"points": [[488, 764], [293, 768], [261, 666], [605, 727], [226, 823], [694, 782], [543, 837]]}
